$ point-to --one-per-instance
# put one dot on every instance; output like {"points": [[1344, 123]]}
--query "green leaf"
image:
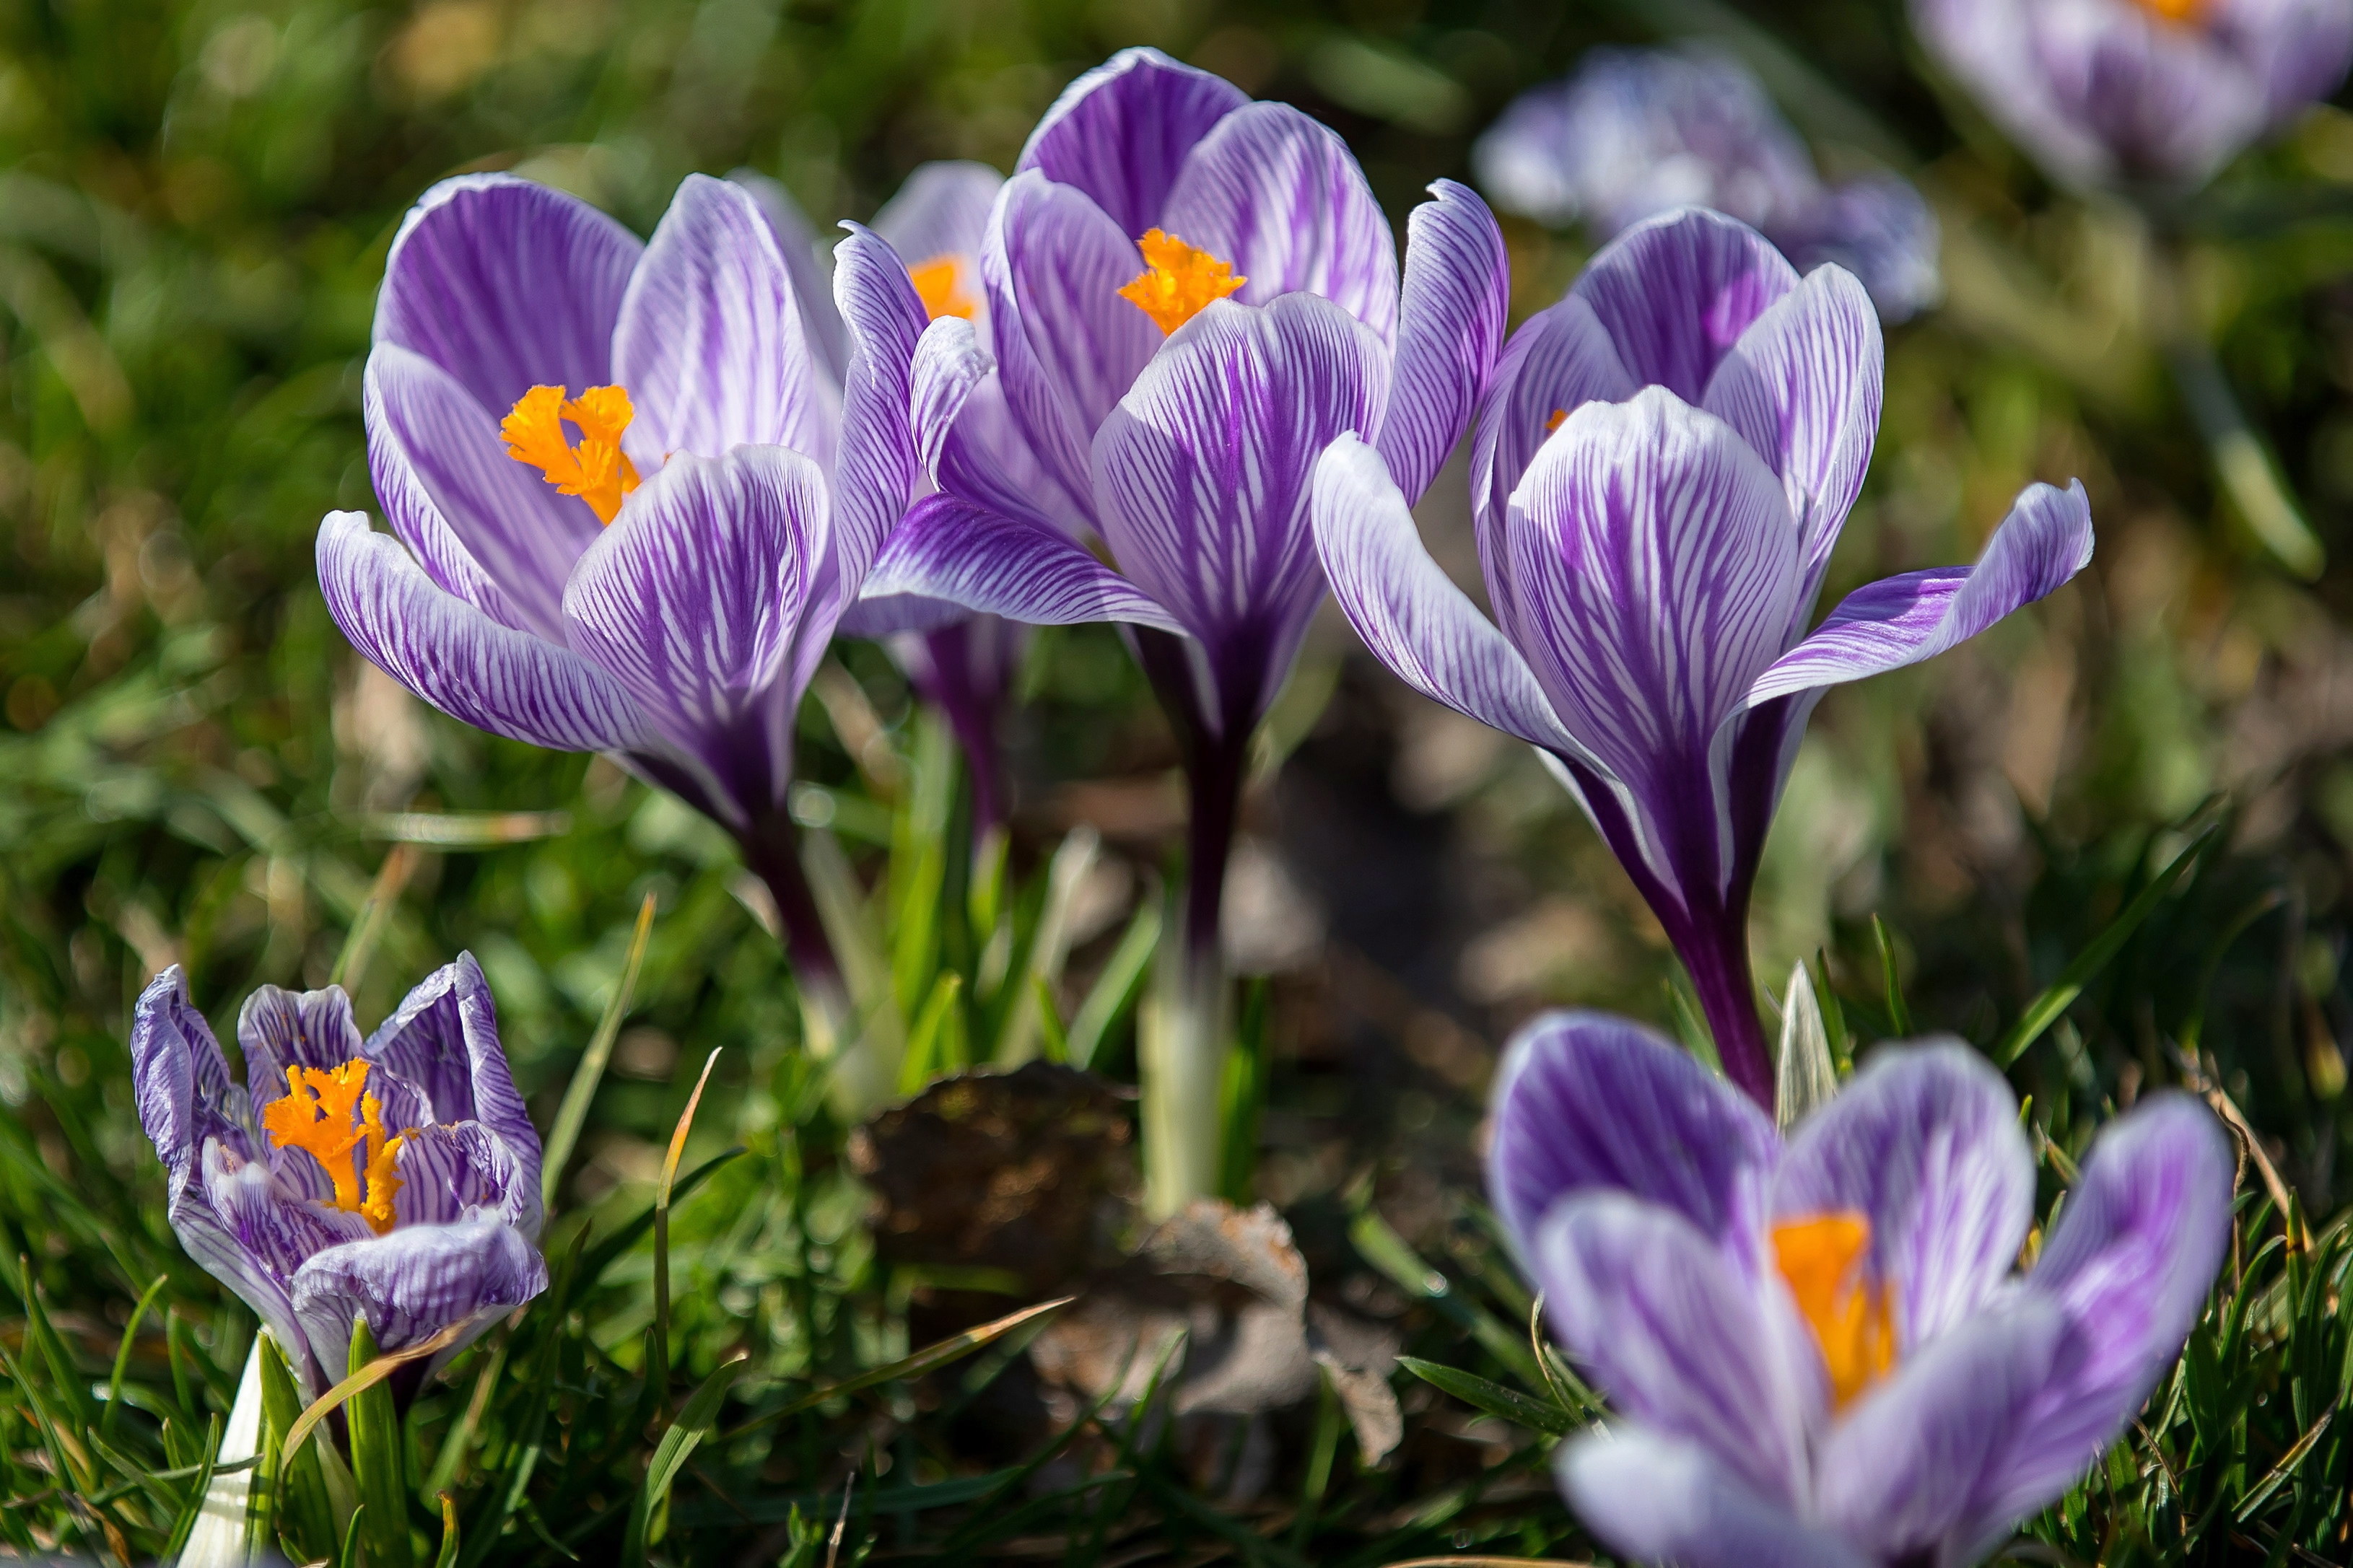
{"points": [[676, 1446], [1899, 1013], [374, 1429], [298, 1494], [1116, 987], [1504, 1403], [573, 1114]]}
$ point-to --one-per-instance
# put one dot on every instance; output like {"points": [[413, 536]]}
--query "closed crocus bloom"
{"points": [[1637, 132], [628, 501], [1820, 1351], [2140, 92], [1660, 471], [395, 1178]]}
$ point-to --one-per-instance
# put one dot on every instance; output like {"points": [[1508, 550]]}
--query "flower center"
{"points": [[2178, 13], [316, 1115], [939, 283], [1820, 1259], [1179, 282], [596, 470]]}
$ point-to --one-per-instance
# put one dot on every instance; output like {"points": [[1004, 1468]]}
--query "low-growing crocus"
{"points": [[2148, 94], [395, 1178], [1636, 132], [629, 502], [1660, 468], [1189, 295], [1821, 1353]]}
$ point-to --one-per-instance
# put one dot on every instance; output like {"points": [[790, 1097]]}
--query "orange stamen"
{"points": [[1179, 282], [1820, 1259], [939, 283], [596, 470], [1559, 417], [2178, 13], [316, 1117]]}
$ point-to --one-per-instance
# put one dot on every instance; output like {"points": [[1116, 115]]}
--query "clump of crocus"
{"points": [[1636, 132], [1187, 295], [1661, 469], [2140, 93], [1823, 1350], [395, 1178]]}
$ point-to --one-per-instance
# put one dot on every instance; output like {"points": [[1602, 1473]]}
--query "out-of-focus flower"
{"points": [[395, 1178], [1637, 132], [629, 502], [1819, 1350], [1189, 295], [2140, 92], [1660, 471]]}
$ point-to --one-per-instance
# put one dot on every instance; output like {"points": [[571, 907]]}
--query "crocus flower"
{"points": [[1637, 132], [2146, 93], [1819, 1351], [629, 502], [1661, 469], [395, 1178]]}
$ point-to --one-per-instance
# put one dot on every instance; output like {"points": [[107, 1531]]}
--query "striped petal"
{"points": [[1561, 359], [969, 441], [1120, 134], [1654, 1499], [1675, 293], [278, 1029], [444, 1039], [940, 209], [412, 1282], [810, 261], [1450, 329], [951, 559]]}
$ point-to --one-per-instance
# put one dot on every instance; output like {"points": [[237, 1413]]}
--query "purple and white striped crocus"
{"points": [[1636, 132], [1661, 469], [395, 1178], [1189, 296], [2154, 94], [628, 501], [1819, 1351]]}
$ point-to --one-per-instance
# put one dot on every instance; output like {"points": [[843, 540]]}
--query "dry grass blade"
{"points": [[368, 1377], [930, 1357], [662, 1204]]}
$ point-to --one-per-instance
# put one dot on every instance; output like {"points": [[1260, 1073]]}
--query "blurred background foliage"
{"points": [[196, 201]]}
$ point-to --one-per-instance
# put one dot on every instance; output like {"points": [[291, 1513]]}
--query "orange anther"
{"points": [[1180, 281], [596, 470], [1821, 1257], [939, 283]]}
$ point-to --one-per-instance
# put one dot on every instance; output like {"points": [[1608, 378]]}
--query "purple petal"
{"points": [[412, 1282], [1676, 292], [278, 1029], [1680, 1338], [709, 343], [1450, 327], [692, 597], [1652, 574], [446, 1171], [1068, 346], [2163, 102], [1202, 476], [1652, 1498], [444, 1039], [2044, 542], [1561, 359], [507, 285], [1802, 385], [878, 469], [1410, 614], [809, 261], [1589, 1101], [1902, 1470], [485, 527], [2130, 1262], [1991, 46], [274, 1225], [2299, 48], [1280, 198], [459, 660], [949, 559], [179, 1078], [1924, 1143], [236, 1253], [941, 209], [970, 443], [1120, 134]]}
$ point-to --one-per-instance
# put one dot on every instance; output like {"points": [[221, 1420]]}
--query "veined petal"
{"points": [[277, 1029], [1653, 1499], [459, 660], [412, 1282], [709, 343], [1676, 1334], [1202, 476], [1676, 292], [1413, 617], [1924, 1143], [444, 1039], [1802, 385], [274, 1225], [476, 519], [220, 1251], [507, 285], [446, 1171], [692, 597], [1561, 359], [968, 440], [810, 262], [1592, 1102], [1450, 329], [2299, 50], [179, 1078], [1280, 198], [940, 209], [878, 469], [1120, 134], [2044, 542], [949, 552]]}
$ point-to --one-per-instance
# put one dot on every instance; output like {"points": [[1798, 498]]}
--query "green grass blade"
{"points": [[374, 1431], [573, 1114], [676, 1446], [1504, 1403]]}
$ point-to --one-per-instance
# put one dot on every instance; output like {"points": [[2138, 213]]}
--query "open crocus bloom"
{"points": [[1662, 467], [395, 1178], [628, 501], [2140, 92], [1636, 132], [1819, 1350]]}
